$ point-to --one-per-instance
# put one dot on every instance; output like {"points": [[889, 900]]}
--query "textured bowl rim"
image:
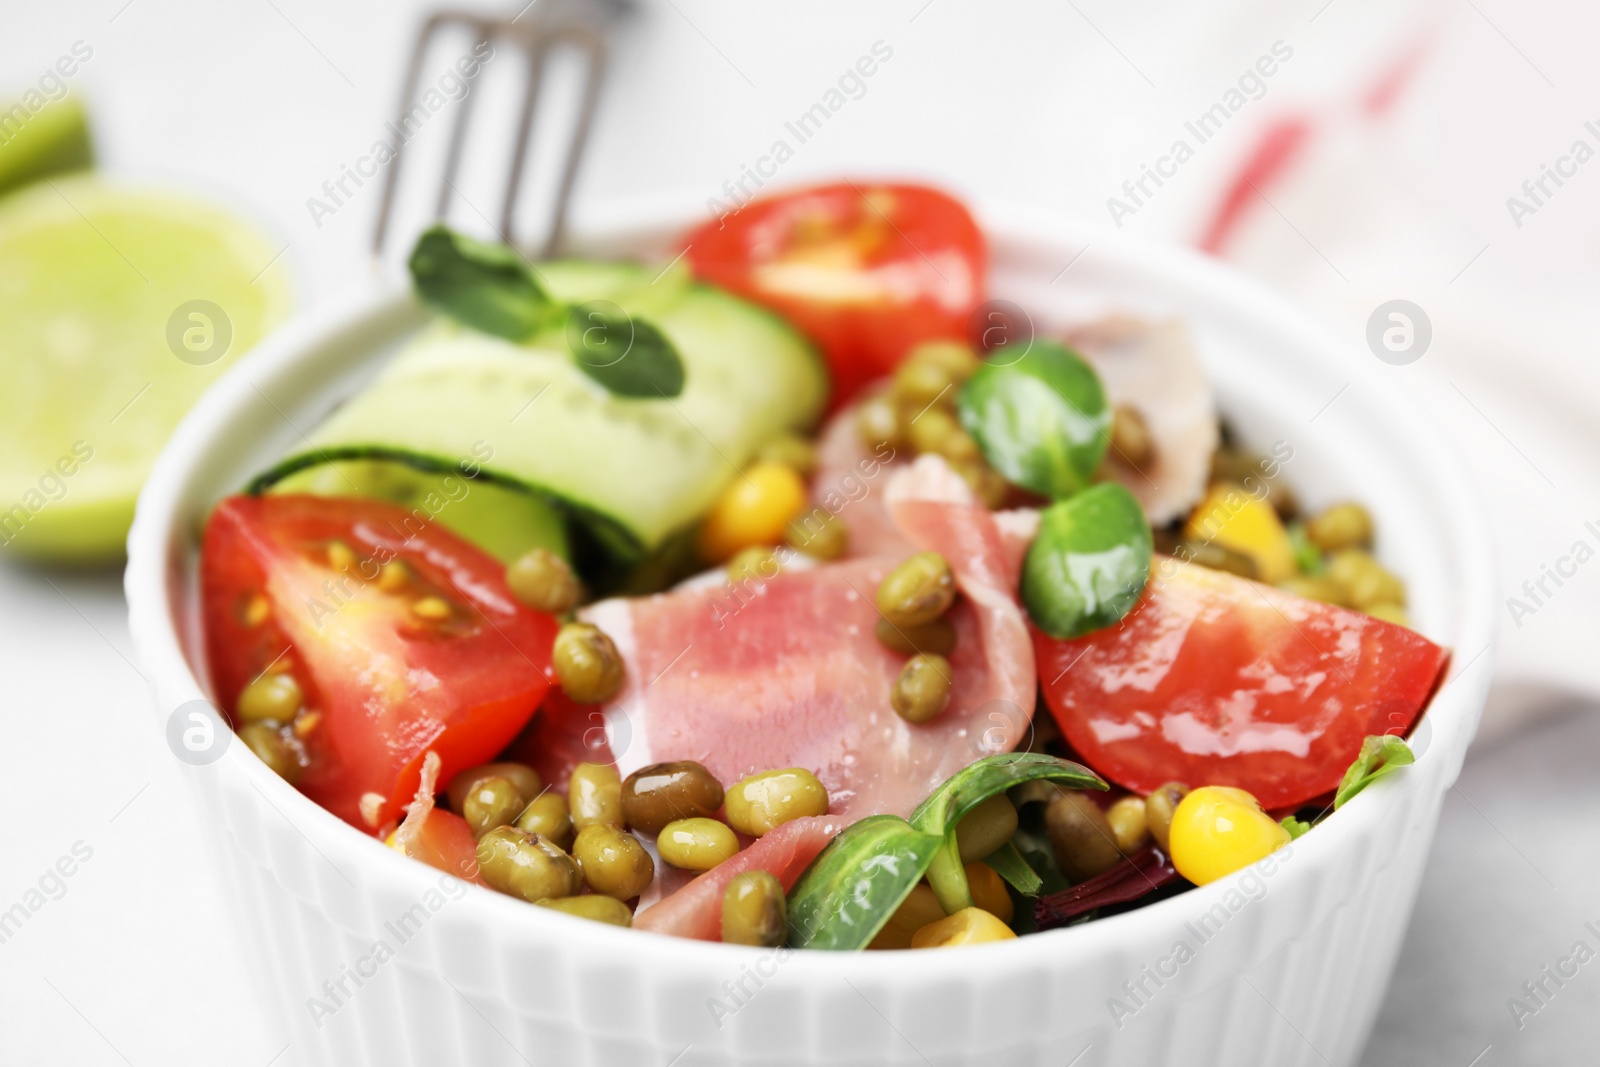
{"points": [[1452, 716]]}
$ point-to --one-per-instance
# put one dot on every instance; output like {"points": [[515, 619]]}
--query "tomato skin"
{"points": [[445, 842], [866, 270], [1215, 680], [388, 685]]}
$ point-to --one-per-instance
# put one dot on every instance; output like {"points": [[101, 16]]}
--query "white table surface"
{"points": [[1053, 105]]}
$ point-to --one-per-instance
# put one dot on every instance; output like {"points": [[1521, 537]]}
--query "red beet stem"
{"points": [[1139, 875]]}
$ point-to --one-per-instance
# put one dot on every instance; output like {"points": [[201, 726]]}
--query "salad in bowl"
{"points": [[793, 593]]}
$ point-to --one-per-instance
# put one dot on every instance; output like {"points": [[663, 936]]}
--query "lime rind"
{"points": [[102, 353], [35, 144]]}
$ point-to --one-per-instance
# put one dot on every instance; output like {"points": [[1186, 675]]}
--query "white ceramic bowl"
{"points": [[1280, 968]]}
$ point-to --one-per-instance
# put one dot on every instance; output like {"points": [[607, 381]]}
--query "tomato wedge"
{"points": [[865, 270], [1215, 680], [402, 637]]}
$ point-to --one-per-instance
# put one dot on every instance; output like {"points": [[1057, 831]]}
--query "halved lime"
{"points": [[118, 306], [40, 137]]}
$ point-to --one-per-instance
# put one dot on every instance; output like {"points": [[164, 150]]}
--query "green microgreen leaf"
{"points": [[1295, 826], [627, 355], [853, 888], [1089, 563], [1381, 754], [485, 286], [1009, 864], [1041, 418]]}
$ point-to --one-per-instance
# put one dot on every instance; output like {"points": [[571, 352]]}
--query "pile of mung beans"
{"points": [[917, 413], [581, 853]]}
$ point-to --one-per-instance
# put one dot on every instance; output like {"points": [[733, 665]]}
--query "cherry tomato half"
{"points": [[865, 270], [402, 637], [1215, 680]]}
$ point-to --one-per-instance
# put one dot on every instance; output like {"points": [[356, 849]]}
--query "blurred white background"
{"points": [[1054, 106]]}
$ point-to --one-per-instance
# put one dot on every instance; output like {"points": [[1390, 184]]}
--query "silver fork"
{"points": [[539, 29]]}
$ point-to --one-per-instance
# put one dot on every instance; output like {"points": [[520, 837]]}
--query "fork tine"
{"points": [[408, 89], [580, 138], [579, 25], [530, 105], [458, 137]]}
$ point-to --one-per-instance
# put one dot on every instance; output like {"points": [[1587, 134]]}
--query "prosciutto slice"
{"points": [[788, 673], [696, 909], [846, 473], [1153, 367], [850, 483]]}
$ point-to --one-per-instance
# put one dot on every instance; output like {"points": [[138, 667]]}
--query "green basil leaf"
{"points": [[1296, 827], [855, 885], [627, 355], [853, 888], [1381, 754], [485, 286], [966, 789], [1009, 864], [1041, 418], [1088, 565]]}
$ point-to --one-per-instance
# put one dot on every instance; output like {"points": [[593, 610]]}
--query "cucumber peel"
{"points": [[631, 472], [504, 521]]}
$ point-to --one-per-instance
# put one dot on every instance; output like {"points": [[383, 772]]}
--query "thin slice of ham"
{"points": [[696, 909], [788, 672], [844, 483], [849, 482], [1153, 368]]}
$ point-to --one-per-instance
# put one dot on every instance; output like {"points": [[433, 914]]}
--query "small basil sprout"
{"points": [[627, 355], [1381, 755], [1088, 565], [485, 286], [1041, 419]]}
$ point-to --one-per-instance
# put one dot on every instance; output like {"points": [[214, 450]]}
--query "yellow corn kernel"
{"points": [[1231, 518], [989, 891], [969, 926], [752, 511], [1217, 830], [916, 911]]}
